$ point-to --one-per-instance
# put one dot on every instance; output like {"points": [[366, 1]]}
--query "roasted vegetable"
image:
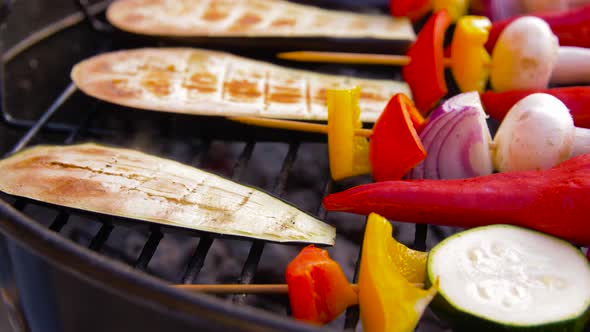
{"points": [[395, 146], [202, 82], [426, 71], [388, 301], [349, 154], [538, 133], [506, 278], [553, 201], [455, 8], [318, 289], [524, 56], [457, 140], [251, 19], [135, 185], [469, 59]]}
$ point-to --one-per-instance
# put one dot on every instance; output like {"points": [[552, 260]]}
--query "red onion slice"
{"points": [[456, 140]]}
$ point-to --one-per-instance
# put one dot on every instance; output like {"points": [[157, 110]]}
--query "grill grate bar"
{"points": [[249, 269], [198, 259], [149, 248], [251, 264], [243, 160], [281, 182], [26, 139], [101, 237], [59, 222], [328, 188], [94, 22], [204, 148], [420, 235], [82, 127], [352, 313], [20, 204]]}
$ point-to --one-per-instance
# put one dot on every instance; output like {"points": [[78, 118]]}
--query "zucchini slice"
{"points": [[136, 185], [507, 278]]}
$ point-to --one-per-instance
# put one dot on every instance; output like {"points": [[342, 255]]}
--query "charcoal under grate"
{"points": [[290, 165]]}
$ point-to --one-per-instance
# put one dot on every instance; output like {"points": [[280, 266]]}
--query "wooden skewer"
{"points": [[245, 288], [354, 58], [302, 126], [293, 125], [337, 57]]}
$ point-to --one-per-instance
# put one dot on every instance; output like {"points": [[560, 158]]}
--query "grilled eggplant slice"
{"points": [[135, 185], [251, 18], [202, 82]]}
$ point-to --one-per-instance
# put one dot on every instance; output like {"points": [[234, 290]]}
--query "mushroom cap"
{"points": [[524, 55], [537, 133]]}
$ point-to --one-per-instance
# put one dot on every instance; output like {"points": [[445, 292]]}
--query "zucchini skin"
{"points": [[463, 321]]}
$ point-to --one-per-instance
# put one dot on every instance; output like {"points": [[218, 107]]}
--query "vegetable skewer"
{"points": [[526, 55], [293, 125], [394, 147], [538, 133]]}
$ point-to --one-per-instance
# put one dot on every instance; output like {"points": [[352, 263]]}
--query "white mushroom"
{"points": [[524, 55], [538, 133], [527, 56]]}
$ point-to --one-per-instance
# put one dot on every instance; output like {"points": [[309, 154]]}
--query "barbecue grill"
{"points": [[69, 270]]}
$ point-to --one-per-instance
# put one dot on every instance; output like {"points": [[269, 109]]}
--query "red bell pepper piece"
{"points": [[572, 27], [553, 201], [318, 290], [576, 98], [395, 145], [412, 9], [425, 74]]}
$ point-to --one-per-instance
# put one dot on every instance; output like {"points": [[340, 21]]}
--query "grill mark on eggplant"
{"points": [[253, 18], [204, 82], [142, 179]]}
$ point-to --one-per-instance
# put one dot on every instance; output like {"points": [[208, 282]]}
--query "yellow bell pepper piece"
{"points": [[349, 154], [388, 301], [410, 263], [469, 59], [455, 8]]}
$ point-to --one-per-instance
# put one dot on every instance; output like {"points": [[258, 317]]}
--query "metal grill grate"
{"points": [[86, 129]]}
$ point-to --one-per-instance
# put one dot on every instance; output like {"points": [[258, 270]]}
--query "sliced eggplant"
{"points": [[202, 82], [135, 185], [252, 19]]}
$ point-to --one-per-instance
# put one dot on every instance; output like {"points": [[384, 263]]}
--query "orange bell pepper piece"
{"points": [[395, 145], [469, 58], [349, 154], [318, 289], [425, 74]]}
